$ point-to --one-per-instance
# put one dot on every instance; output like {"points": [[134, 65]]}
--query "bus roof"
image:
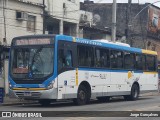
{"points": [[108, 45], [93, 42]]}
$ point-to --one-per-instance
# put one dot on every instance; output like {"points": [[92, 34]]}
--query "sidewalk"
{"points": [[13, 101]]}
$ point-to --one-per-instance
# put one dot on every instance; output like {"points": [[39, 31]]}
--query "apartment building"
{"points": [[62, 17]]}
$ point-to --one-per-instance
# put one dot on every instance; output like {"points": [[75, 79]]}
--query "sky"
{"points": [[125, 1]]}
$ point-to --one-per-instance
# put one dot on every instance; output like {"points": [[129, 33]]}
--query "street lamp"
{"points": [[144, 9], [140, 12]]}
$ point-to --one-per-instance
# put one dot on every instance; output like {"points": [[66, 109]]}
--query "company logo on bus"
{"points": [[33, 41], [30, 75]]}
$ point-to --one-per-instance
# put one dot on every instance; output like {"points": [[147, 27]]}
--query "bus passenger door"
{"points": [[66, 70]]}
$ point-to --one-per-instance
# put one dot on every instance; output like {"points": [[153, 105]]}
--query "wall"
{"points": [[55, 9], [154, 22], [137, 25], [16, 27]]}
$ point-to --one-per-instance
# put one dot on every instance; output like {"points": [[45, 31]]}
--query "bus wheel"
{"points": [[134, 92], [103, 99], [45, 102], [82, 96]]}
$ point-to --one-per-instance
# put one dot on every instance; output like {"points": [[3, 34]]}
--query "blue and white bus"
{"points": [[56, 67]]}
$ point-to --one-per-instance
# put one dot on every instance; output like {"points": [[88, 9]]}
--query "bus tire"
{"points": [[45, 102], [134, 93], [82, 96], [103, 99]]}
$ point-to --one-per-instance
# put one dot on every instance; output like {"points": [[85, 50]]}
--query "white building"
{"points": [[20, 17], [62, 17], [17, 18]]}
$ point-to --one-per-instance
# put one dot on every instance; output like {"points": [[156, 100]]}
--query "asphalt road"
{"points": [[145, 103]]}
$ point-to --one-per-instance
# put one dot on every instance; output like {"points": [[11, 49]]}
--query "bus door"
{"points": [[66, 70]]}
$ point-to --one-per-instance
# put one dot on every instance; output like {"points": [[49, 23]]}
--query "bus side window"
{"points": [[61, 60], [68, 59], [116, 58], [140, 62], [64, 60], [150, 63], [102, 58], [85, 56], [129, 60]]}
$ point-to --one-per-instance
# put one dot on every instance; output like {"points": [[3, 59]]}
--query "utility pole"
{"points": [[4, 20], [127, 22], [114, 10], [44, 17]]}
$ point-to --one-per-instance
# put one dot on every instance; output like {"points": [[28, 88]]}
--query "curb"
{"points": [[17, 103], [9, 104]]}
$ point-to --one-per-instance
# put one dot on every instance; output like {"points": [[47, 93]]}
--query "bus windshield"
{"points": [[32, 62]]}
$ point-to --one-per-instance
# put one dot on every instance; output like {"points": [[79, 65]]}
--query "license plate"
{"points": [[27, 94]]}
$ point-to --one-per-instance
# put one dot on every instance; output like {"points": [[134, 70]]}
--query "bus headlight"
{"points": [[50, 86], [10, 86]]}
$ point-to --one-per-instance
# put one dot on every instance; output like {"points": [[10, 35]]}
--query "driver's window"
{"points": [[64, 60]]}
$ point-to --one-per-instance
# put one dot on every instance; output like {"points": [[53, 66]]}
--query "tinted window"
{"points": [[150, 63], [140, 62], [129, 60], [64, 60], [116, 58], [102, 58], [85, 56]]}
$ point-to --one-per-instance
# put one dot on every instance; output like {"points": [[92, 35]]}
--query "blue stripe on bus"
{"points": [[63, 37], [108, 70]]}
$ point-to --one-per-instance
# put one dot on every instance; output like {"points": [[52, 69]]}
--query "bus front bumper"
{"points": [[34, 95]]}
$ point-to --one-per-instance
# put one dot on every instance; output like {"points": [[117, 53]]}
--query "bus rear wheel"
{"points": [[134, 93], [82, 96]]}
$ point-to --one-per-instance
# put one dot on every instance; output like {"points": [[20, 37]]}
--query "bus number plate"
{"points": [[27, 94]]}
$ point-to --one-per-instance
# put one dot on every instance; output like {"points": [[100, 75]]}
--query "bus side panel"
{"points": [[147, 82], [67, 85], [152, 80], [97, 80], [115, 78], [118, 84]]}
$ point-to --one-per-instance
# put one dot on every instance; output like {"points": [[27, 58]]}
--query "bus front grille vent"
{"points": [[28, 94]]}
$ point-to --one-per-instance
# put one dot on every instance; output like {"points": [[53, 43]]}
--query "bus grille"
{"points": [[32, 95]]}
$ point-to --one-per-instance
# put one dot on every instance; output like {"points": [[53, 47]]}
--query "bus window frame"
{"points": [[93, 55], [155, 63], [60, 46]]}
